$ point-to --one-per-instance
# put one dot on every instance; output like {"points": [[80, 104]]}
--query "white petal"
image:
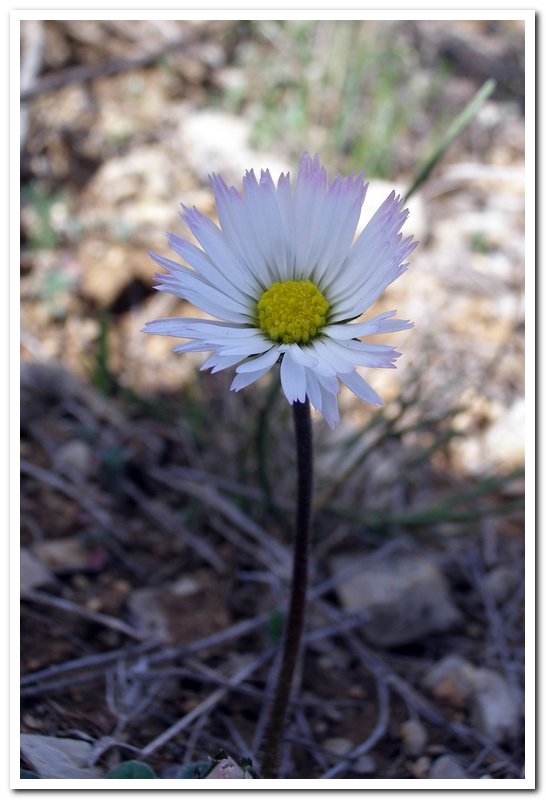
{"points": [[330, 408], [365, 354], [217, 247], [293, 379], [302, 355], [189, 285], [374, 261], [246, 347], [325, 219], [361, 388], [380, 324], [244, 227], [265, 361], [188, 328], [222, 279], [313, 390], [194, 347], [241, 380], [217, 362], [331, 359]]}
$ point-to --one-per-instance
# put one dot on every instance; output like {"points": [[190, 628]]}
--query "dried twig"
{"points": [[88, 72], [96, 660], [212, 499], [32, 35], [43, 599], [163, 517], [206, 705], [79, 493]]}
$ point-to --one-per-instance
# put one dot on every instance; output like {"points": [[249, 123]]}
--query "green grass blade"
{"points": [[453, 132]]}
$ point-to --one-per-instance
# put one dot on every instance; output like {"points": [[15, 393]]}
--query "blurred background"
{"points": [[156, 505]]}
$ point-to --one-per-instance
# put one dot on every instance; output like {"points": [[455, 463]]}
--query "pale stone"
{"points": [[406, 597]]}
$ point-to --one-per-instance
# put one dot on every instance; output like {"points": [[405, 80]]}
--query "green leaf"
{"points": [[131, 769], [26, 773], [197, 769], [454, 131]]}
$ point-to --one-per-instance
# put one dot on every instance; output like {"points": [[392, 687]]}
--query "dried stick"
{"points": [[212, 499], [84, 73], [205, 706], [163, 518], [79, 611]]}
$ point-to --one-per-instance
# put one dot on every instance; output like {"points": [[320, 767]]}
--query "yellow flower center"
{"points": [[292, 311]]}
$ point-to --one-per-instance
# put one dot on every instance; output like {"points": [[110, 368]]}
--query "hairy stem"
{"points": [[294, 623]]}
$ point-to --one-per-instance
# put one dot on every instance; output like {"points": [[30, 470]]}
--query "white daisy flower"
{"points": [[284, 279]]}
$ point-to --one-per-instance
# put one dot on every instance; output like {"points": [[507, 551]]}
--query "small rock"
{"points": [[66, 555], [501, 582], [216, 141], [495, 708], [33, 572], [219, 142], [446, 767], [420, 768], [184, 586], [75, 455], [338, 745], [451, 680], [365, 765], [53, 757], [414, 736], [146, 605], [406, 597]]}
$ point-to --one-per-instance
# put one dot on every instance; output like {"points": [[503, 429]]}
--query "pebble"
{"points": [[414, 737], [219, 142], [406, 597], [365, 765], [74, 455], [495, 707], [69, 554], [338, 745], [496, 710], [420, 768], [33, 573], [451, 680], [501, 582], [446, 767]]}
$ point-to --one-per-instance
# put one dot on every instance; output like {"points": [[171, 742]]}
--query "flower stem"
{"points": [[293, 628]]}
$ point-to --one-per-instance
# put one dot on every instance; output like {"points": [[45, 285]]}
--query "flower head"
{"points": [[284, 279]]}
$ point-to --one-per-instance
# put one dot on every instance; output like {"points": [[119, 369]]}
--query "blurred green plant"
{"points": [[131, 769], [479, 243], [54, 292], [40, 230], [100, 373], [350, 90]]}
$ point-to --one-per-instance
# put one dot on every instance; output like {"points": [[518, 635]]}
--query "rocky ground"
{"points": [[156, 506]]}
